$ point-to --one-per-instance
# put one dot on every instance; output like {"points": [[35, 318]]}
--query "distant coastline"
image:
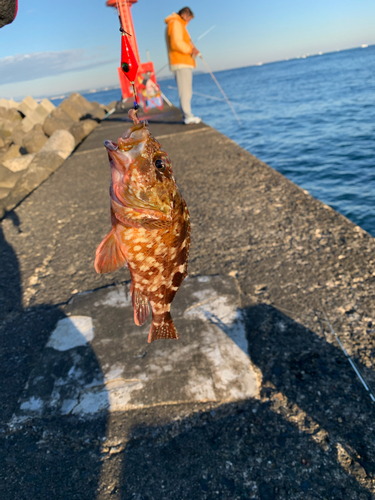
{"points": [[169, 76]]}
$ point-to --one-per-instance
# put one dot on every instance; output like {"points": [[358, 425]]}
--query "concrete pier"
{"points": [[256, 400]]}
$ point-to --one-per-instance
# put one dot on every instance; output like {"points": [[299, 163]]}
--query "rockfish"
{"points": [[150, 227]]}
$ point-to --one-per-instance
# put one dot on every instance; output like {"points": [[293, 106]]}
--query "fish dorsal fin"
{"points": [[109, 256], [162, 328], [141, 307]]}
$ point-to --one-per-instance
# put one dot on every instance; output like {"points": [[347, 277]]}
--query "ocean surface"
{"points": [[312, 119]]}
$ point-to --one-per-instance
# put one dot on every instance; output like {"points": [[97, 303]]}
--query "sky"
{"points": [[56, 47]]}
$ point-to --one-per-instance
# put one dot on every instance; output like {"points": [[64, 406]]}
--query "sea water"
{"points": [[312, 119]]}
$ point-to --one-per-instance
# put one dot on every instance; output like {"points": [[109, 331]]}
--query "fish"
{"points": [[150, 227]]}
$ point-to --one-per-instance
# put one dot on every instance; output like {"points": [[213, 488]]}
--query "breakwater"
{"points": [[35, 139], [310, 118], [307, 432]]}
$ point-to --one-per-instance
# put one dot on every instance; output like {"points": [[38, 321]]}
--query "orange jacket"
{"points": [[178, 41]]}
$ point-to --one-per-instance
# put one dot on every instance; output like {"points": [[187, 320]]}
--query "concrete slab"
{"points": [[97, 359], [289, 253], [113, 126]]}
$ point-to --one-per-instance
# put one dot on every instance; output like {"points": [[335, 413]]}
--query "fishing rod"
{"points": [[220, 88], [166, 99], [212, 76], [201, 36], [205, 33]]}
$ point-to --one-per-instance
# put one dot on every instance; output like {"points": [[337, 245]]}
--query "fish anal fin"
{"points": [[109, 257], [163, 329], [140, 306]]}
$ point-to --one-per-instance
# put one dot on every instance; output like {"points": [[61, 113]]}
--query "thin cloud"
{"points": [[25, 67]]}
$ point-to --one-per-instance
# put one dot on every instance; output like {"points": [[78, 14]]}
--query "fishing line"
{"points": [[205, 33], [352, 363], [119, 18], [123, 34], [161, 69], [220, 88], [212, 76], [198, 93]]}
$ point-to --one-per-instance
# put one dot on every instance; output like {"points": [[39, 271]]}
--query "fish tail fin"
{"points": [[108, 254], [140, 306], [162, 327]]}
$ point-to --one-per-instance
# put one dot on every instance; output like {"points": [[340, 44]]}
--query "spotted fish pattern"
{"points": [[150, 228]]}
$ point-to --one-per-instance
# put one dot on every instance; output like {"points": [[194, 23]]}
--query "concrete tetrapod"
{"points": [[61, 142]]}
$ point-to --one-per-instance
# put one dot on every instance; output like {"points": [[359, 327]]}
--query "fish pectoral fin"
{"points": [[128, 221], [109, 256], [141, 307], [146, 218], [163, 329], [143, 221], [155, 223]]}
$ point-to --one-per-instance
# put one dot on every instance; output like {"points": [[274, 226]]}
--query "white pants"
{"points": [[184, 79]]}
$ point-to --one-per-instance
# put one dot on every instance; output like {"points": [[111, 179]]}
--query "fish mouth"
{"points": [[110, 145]]}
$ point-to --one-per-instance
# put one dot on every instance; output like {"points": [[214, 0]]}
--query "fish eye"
{"points": [[160, 165]]}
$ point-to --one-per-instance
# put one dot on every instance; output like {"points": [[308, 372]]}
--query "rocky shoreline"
{"points": [[35, 139]]}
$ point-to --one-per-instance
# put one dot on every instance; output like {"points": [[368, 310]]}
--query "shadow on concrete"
{"points": [[316, 376], [309, 437], [10, 289], [40, 458]]}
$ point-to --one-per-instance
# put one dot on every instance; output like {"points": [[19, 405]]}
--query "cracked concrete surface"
{"points": [[97, 360], [308, 435]]}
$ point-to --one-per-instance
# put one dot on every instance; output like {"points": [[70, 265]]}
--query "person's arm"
{"points": [[177, 41], [8, 11]]}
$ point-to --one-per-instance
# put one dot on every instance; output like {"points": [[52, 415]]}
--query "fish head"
{"points": [[142, 175]]}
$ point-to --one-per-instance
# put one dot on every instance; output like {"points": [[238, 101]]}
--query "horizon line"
{"points": [[165, 77]]}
